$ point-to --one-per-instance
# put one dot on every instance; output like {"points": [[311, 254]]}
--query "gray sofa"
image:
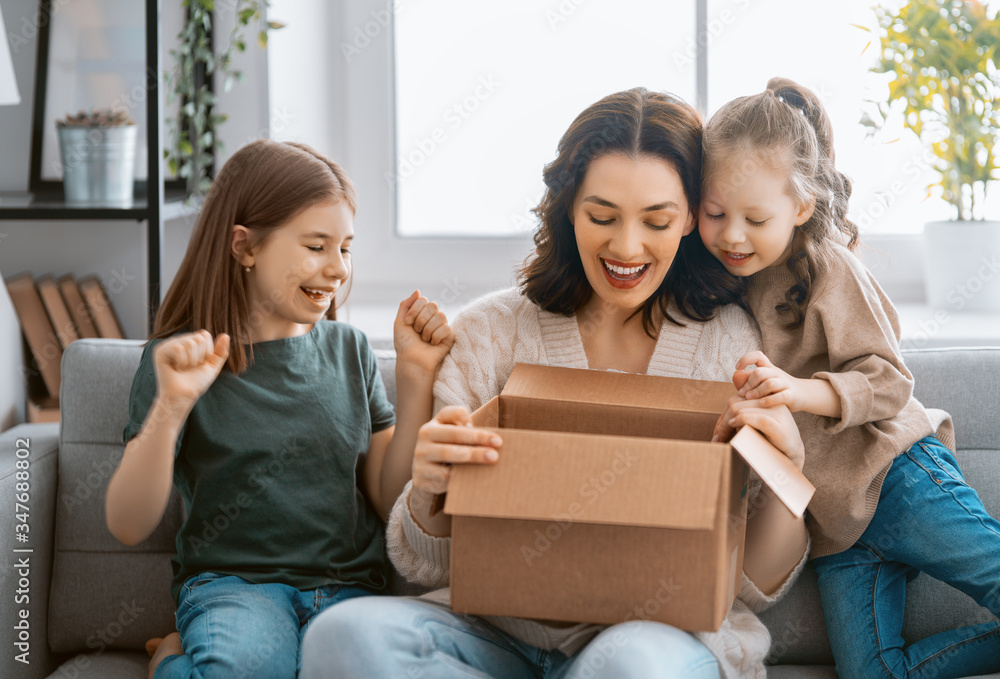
{"points": [[92, 602]]}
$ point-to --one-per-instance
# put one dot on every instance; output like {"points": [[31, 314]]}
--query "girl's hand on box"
{"points": [[768, 383], [774, 422], [447, 440], [186, 365], [421, 334]]}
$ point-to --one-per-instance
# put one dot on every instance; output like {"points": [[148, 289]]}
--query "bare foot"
{"points": [[169, 645], [152, 645]]}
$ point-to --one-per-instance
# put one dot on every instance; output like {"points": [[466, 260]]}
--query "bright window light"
{"points": [[484, 92]]}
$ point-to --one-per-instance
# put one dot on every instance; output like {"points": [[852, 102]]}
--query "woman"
{"points": [[616, 284]]}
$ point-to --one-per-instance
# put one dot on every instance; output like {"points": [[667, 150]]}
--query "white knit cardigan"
{"points": [[505, 328]]}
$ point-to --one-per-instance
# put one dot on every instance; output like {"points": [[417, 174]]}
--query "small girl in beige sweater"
{"points": [[890, 499]]}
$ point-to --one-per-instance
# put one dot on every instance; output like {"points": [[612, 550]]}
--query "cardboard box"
{"points": [[608, 502]]}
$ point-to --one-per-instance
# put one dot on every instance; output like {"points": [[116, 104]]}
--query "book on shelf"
{"points": [[77, 307], [39, 406], [58, 312], [38, 331], [100, 308]]}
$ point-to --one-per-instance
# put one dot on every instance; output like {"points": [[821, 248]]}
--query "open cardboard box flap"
{"points": [[616, 404]]}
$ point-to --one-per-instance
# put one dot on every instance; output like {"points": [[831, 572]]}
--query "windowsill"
{"points": [[922, 326]]}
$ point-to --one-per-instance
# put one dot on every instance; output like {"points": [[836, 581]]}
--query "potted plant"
{"points": [[98, 157], [193, 141], [944, 59]]}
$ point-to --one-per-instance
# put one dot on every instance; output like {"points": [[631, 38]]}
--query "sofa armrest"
{"points": [[25, 575]]}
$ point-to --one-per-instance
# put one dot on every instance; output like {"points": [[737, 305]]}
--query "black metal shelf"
{"points": [[44, 202], [52, 205]]}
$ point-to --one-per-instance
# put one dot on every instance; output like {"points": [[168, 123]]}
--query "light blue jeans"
{"points": [[928, 519], [380, 637], [231, 628]]}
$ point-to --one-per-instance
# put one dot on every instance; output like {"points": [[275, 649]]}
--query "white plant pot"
{"points": [[963, 265]]}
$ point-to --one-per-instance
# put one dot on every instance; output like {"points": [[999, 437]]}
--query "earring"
{"points": [[248, 269]]}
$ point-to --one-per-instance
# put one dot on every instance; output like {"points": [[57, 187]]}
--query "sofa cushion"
{"points": [[963, 382], [104, 595]]}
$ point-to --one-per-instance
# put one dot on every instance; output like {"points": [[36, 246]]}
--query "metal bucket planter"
{"points": [[98, 164]]}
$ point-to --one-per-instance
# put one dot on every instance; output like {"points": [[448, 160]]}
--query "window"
{"points": [[484, 91], [444, 113]]}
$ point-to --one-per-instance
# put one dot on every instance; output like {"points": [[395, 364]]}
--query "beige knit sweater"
{"points": [[850, 338], [505, 328]]}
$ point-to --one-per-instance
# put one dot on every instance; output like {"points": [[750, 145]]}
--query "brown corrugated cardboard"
{"points": [[608, 502], [77, 307]]}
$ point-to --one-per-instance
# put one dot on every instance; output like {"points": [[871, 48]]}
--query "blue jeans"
{"points": [[928, 519], [233, 628], [409, 638]]}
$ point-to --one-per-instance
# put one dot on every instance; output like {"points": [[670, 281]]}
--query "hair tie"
{"points": [[793, 99]]}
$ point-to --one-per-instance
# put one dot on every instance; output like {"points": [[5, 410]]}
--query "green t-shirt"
{"points": [[266, 464]]}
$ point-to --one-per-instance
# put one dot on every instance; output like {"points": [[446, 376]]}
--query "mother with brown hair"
{"points": [[616, 283]]}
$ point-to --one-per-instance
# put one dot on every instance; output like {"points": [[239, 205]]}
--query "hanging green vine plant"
{"points": [[193, 142]]}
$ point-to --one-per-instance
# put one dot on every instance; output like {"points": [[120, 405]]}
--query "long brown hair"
{"points": [[786, 126], [264, 185], [636, 122]]}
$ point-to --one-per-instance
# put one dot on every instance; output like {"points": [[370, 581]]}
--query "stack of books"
{"points": [[52, 314]]}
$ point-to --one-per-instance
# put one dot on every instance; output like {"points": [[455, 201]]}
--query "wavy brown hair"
{"points": [[264, 185], [786, 126], [635, 122]]}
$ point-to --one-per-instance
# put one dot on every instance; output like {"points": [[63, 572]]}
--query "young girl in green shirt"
{"points": [[271, 419]]}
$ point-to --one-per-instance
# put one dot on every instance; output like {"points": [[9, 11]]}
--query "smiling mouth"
{"points": [[736, 258], [320, 297], [624, 273]]}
